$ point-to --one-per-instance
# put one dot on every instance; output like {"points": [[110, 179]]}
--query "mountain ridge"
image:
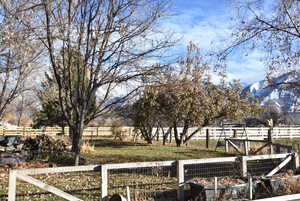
{"points": [[277, 92]]}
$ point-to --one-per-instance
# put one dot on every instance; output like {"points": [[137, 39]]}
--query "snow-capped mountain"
{"points": [[279, 92]]}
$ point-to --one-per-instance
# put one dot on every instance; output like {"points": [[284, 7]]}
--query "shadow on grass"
{"points": [[120, 158], [192, 154], [114, 143]]}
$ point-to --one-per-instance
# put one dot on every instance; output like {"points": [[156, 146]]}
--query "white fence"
{"points": [[214, 132], [259, 132], [133, 175], [89, 131]]}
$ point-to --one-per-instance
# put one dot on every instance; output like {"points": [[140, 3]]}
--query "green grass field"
{"points": [[111, 151], [108, 151]]}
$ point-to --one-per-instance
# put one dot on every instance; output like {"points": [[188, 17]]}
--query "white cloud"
{"points": [[248, 69], [213, 33]]}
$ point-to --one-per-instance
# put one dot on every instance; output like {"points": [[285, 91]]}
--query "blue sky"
{"points": [[208, 24]]}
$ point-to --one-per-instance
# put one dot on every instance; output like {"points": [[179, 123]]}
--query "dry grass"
{"points": [[291, 186], [111, 151], [87, 147]]}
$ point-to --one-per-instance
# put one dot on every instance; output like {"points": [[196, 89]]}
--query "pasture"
{"points": [[106, 151]]}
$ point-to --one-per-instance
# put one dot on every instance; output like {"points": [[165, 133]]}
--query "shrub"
{"points": [[44, 143], [87, 148]]}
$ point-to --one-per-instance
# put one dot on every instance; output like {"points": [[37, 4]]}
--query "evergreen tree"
{"points": [[51, 113]]}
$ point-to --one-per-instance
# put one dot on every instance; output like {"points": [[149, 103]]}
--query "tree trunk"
{"points": [[76, 134], [157, 134], [183, 135], [188, 137], [177, 142], [166, 135], [177, 138], [149, 141], [63, 129], [181, 138], [21, 111]]}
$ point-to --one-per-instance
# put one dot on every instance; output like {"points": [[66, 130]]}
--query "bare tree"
{"points": [[191, 99], [273, 26], [186, 99], [115, 38], [23, 105], [18, 53], [20, 111]]}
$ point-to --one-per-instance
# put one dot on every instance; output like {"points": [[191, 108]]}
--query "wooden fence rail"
{"points": [[105, 169], [214, 132]]}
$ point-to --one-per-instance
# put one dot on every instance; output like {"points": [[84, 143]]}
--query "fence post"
{"points": [[207, 138], [270, 139], [12, 185], [180, 178], [226, 146], [234, 133], [104, 182], [246, 147], [296, 160], [216, 188], [244, 166], [250, 188], [128, 193]]}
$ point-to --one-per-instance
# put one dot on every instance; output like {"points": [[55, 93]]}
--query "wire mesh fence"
{"points": [[83, 185], [154, 182], [58, 183], [212, 170], [263, 167], [151, 181]]}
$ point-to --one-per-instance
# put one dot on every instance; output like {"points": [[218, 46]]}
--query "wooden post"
{"points": [[270, 139], [128, 193], [180, 179], [246, 147], [12, 186], [270, 135], [249, 145], [250, 188], [207, 139], [216, 188], [234, 133], [226, 146], [244, 166], [296, 161], [104, 183]]}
